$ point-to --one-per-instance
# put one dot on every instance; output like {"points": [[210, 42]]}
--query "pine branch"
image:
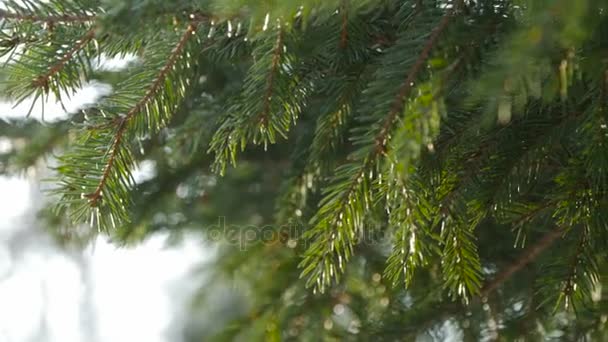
{"points": [[340, 80], [273, 95], [51, 19], [461, 266], [570, 282], [43, 80], [408, 202], [276, 58], [149, 96], [331, 125], [57, 63], [399, 102], [412, 242], [339, 219]]}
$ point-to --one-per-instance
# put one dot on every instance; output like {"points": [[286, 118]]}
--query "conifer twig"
{"points": [[42, 81], [529, 255], [276, 58], [65, 18], [344, 30], [96, 195], [399, 100], [398, 103], [569, 284], [397, 107], [407, 86]]}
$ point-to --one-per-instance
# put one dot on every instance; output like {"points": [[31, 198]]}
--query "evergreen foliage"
{"points": [[424, 167]]}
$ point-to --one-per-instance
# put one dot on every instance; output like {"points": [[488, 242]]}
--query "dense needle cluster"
{"points": [[470, 135]]}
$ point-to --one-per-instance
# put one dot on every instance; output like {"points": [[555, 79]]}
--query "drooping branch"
{"points": [[346, 199], [51, 19], [121, 128], [42, 81], [404, 91], [407, 86], [399, 102]]}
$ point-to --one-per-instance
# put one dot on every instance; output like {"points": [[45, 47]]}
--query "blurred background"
{"points": [[54, 292]]}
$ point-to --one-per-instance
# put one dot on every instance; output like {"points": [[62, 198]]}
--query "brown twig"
{"points": [[42, 81], [96, 195], [405, 89], [47, 19], [344, 30], [276, 59], [529, 255]]}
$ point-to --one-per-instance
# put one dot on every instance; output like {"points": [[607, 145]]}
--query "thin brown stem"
{"points": [[96, 195], [529, 255], [274, 66], [66, 18], [344, 29], [407, 86], [42, 81]]}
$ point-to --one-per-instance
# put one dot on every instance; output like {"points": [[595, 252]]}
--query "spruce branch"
{"points": [[122, 124], [525, 258], [406, 88], [527, 217], [570, 282], [50, 19], [342, 80], [419, 160], [276, 59], [344, 27], [528, 256], [338, 221], [42, 81], [410, 211], [331, 126], [273, 95], [458, 202], [57, 63]]}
